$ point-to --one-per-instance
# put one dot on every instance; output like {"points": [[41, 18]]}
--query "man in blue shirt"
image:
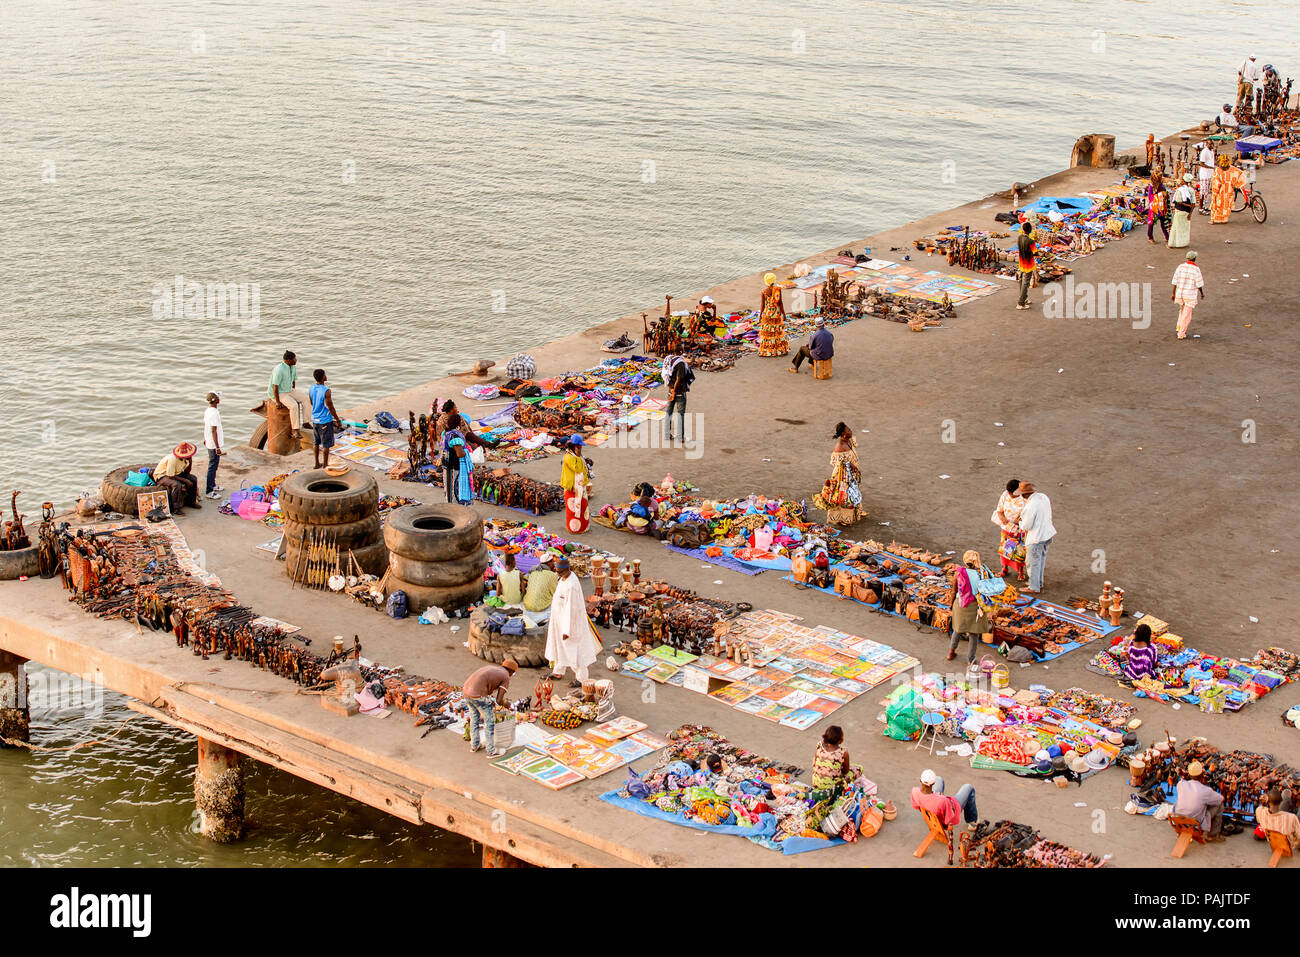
{"points": [[324, 419], [820, 346]]}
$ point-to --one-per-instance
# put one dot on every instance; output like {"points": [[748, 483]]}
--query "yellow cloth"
{"points": [[541, 588], [508, 584], [170, 465], [574, 465]]}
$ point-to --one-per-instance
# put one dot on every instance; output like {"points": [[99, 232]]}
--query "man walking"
{"points": [[283, 389], [324, 419], [819, 347], [1025, 248], [483, 691], [571, 642], [212, 437], [1036, 522], [1188, 290], [1248, 74]]}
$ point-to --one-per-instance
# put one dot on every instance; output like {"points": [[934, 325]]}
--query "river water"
{"points": [[396, 189]]}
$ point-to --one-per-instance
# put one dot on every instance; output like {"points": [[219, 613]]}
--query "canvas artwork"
{"points": [[547, 771], [512, 762], [629, 750]]}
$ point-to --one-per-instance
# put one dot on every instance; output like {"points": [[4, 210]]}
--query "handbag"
{"points": [[844, 583], [987, 585], [138, 479]]}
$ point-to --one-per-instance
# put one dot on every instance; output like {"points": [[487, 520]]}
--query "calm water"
{"points": [[411, 186]]}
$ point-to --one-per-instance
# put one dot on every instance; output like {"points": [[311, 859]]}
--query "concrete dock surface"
{"points": [[1135, 436]]}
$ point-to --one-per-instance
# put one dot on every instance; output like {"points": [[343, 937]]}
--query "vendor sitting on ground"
{"points": [[832, 774], [1194, 799], [1141, 656], [511, 582], [541, 584], [949, 810], [1271, 816], [1225, 119], [174, 475], [640, 515]]}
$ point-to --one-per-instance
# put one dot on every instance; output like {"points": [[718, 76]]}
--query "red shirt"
{"points": [[944, 808]]}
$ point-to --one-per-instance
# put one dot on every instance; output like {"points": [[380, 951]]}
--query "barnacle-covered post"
{"points": [[219, 792], [15, 717]]}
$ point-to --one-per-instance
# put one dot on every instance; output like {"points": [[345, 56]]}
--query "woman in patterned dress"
{"points": [[1011, 549], [841, 496], [771, 321]]}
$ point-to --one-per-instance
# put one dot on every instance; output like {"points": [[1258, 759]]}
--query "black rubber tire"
{"points": [[258, 441], [420, 597], [119, 496], [347, 534], [317, 498], [529, 650], [373, 560], [21, 561], [458, 571], [433, 533]]}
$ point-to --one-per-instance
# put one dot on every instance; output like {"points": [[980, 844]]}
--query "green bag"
{"points": [[138, 479], [903, 715]]}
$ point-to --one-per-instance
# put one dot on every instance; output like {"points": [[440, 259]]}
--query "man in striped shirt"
{"points": [[1189, 289], [1141, 656]]}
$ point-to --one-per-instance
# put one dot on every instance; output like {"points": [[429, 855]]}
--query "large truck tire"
{"points": [[317, 498], [457, 571], [420, 597], [119, 496], [433, 533], [346, 534]]}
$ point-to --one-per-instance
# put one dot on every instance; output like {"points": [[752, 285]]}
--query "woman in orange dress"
{"points": [[1226, 179], [771, 321]]}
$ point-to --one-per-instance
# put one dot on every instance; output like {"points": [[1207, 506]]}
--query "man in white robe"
{"points": [[571, 642]]}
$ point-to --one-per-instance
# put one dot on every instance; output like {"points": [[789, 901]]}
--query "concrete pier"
{"points": [[219, 792], [1140, 441], [15, 714]]}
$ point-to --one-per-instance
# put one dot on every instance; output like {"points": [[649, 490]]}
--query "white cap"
{"points": [[546, 559], [928, 777], [706, 299]]}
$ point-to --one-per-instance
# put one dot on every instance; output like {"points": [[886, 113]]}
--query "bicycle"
{"points": [[1250, 197]]}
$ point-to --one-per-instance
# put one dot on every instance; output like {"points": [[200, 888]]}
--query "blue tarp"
{"points": [[766, 828], [1065, 205]]}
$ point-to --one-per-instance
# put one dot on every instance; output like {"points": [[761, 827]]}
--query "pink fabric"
{"points": [[1185, 317], [965, 594]]}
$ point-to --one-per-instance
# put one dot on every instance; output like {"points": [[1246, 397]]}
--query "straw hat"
{"points": [[1195, 769], [185, 450]]}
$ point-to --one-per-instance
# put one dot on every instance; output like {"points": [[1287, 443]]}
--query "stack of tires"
{"points": [[436, 555], [340, 510], [119, 496]]}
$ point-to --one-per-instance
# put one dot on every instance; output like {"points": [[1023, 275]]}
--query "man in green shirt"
{"points": [[283, 389], [541, 585]]}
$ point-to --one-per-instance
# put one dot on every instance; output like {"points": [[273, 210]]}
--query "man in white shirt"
{"points": [[212, 439], [1189, 289], [1036, 521], [1195, 799], [1248, 74], [1205, 170], [1225, 119]]}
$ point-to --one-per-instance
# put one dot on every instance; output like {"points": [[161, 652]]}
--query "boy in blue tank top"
{"points": [[324, 419]]}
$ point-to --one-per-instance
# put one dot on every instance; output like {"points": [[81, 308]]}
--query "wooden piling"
{"points": [[219, 792], [492, 857], [15, 716]]}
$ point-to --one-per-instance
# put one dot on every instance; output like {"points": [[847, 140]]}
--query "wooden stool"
{"points": [[821, 368], [937, 833], [1280, 845], [1188, 830]]}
